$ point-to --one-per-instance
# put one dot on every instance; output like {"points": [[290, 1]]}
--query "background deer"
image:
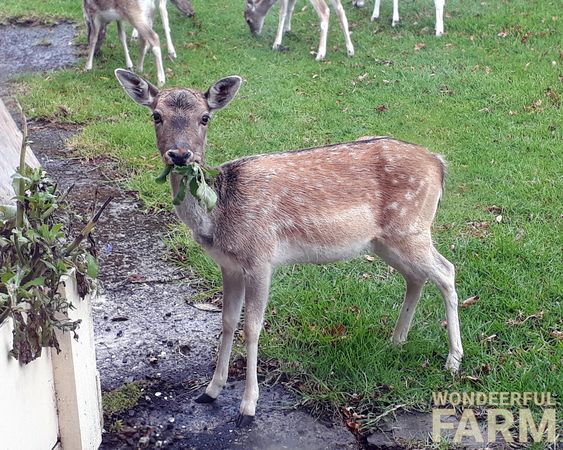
{"points": [[139, 13], [256, 11], [308, 206], [439, 5], [184, 6]]}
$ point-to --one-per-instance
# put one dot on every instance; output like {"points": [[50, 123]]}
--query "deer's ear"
{"points": [[222, 92], [139, 89]]}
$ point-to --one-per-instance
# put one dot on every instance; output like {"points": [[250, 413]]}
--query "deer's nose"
{"points": [[179, 157]]}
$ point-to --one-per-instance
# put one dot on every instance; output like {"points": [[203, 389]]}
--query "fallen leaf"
{"points": [[494, 209], [498, 218], [520, 320], [419, 46], [136, 278], [503, 33], [556, 334], [363, 77], [381, 108], [526, 37], [209, 307], [366, 276], [489, 338], [444, 323], [338, 331], [369, 258], [470, 301], [471, 378], [553, 96]]}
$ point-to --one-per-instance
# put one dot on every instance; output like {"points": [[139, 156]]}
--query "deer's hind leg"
{"points": [[341, 14], [417, 260]]}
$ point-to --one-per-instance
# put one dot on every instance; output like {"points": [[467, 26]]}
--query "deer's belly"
{"points": [[305, 252]]}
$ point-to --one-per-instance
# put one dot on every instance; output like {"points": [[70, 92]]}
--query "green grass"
{"points": [[490, 104]]}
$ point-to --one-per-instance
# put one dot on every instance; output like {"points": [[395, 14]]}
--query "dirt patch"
{"points": [[27, 49]]}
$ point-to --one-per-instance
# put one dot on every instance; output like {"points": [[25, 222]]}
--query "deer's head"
{"points": [[255, 12], [180, 115]]}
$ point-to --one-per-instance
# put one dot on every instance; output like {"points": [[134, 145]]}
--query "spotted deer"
{"points": [[375, 195], [256, 10], [140, 14], [438, 4]]}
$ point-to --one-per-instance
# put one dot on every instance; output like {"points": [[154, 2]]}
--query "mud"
{"points": [[27, 49]]}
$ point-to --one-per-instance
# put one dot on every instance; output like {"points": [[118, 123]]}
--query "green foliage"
{"points": [[33, 258]]}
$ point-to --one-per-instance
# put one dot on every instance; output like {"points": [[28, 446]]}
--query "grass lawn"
{"points": [[487, 95]]}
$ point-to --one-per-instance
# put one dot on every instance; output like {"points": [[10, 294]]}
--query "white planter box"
{"points": [[56, 398]]}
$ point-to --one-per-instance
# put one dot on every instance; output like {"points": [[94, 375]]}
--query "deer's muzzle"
{"points": [[179, 157]]}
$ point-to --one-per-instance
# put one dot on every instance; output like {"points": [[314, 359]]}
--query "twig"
{"points": [[87, 229], [374, 421]]}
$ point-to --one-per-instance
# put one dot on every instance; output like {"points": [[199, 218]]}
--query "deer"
{"points": [[184, 6], [438, 4], [377, 195], [139, 13], [256, 11]]}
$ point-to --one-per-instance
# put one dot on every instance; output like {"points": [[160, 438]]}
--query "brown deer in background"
{"points": [[317, 205], [139, 13]]}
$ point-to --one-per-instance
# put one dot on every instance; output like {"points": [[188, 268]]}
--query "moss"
{"points": [[123, 398]]}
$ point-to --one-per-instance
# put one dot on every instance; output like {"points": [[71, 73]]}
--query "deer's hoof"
{"points": [[394, 23], [244, 421], [453, 363], [280, 48], [172, 55], [204, 398]]}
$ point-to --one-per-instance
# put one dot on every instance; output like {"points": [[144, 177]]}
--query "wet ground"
{"points": [[35, 48], [146, 330]]}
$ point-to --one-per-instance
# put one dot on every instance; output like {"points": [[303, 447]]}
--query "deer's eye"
{"points": [[205, 119], [157, 117]]}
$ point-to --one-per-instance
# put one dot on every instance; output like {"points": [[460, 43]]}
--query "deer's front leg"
{"points": [[94, 27], [375, 14], [257, 286], [324, 15], [290, 8], [439, 4], [233, 295], [281, 24], [166, 26]]}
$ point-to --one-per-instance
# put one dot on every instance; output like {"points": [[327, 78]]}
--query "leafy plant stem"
{"points": [[20, 206]]}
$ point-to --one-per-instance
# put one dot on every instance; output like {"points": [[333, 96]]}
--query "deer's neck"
{"points": [[193, 215]]}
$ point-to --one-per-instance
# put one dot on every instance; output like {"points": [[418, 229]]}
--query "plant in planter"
{"points": [[35, 252]]}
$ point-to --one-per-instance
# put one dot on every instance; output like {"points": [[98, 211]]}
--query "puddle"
{"points": [[37, 48]]}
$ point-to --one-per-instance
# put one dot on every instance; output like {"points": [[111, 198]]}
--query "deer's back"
{"points": [[323, 201]]}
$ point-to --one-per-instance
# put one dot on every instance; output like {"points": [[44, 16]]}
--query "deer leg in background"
{"points": [[344, 26], [123, 39], [166, 26]]}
